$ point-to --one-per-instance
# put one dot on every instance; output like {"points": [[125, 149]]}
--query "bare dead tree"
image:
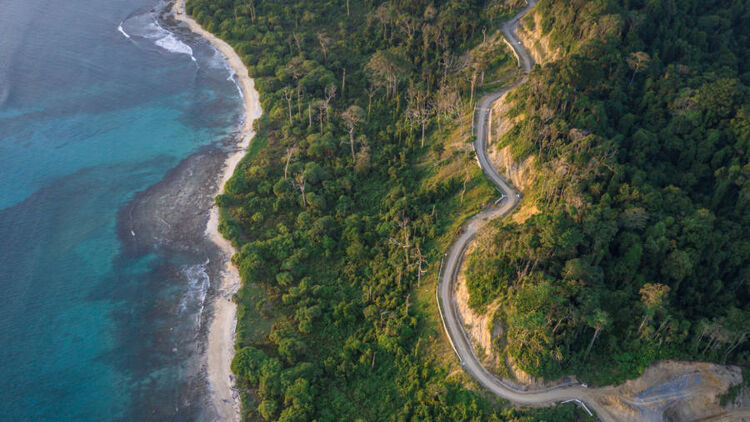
{"points": [[420, 260], [637, 61], [467, 174], [296, 67], [353, 116], [447, 103], [330, 94], [447, 62], [386, 69], [290, 152], [384, 15], [473, 80], [287, 93], [419, 110], [324, 42], [299, 183], [403, 224], [739, 338], [408, 26], [363, 161]]}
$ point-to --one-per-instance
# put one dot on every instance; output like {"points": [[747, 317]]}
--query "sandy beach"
{"points": [[220, 350]]}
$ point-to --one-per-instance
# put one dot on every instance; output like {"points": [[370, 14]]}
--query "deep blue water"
{"points": [[89, 329]]}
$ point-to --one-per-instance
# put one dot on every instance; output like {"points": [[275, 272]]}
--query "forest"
{"points": [[640, 249], [359, 175], [362, 171]]}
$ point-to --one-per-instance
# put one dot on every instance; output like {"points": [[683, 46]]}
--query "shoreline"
{"points": [[221, 331]]}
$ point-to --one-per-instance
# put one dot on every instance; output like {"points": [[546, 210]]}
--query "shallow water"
{"points": [[112, 131]]}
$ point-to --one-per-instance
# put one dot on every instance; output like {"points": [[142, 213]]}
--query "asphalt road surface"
{"points": [[455, 255]]}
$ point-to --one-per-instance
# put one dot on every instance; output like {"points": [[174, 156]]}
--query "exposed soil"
{"points": [[671, 391], [538, 45], [520, 174], [667, 391]]}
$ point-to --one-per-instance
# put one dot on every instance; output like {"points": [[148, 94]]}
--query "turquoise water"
{"points": [[89, 117]]}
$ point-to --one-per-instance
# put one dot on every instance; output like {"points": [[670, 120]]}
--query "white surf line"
{"points": [[221, 332], [122, 31]]}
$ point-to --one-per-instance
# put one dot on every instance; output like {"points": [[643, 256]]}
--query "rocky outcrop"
{"points": [[519, 173], [479, 326], [539, 45], [543, 50]]}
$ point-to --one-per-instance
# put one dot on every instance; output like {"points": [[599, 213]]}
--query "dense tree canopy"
{"points": [[641, 248], [360, 173], [344, 201]]}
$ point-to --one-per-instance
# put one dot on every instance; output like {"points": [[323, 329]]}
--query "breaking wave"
{"points": [[122, 31], [146, 26], [194, 299]]}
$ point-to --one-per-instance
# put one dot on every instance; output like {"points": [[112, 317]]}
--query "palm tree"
{"points": [[637, 61], [599, 320]]}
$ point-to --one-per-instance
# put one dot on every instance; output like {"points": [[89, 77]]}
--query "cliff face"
{"points": [[478, 325], [538, 45], [587, 27], [519, 173]]}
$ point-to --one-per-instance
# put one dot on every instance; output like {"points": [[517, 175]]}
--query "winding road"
{"points": [[454, 257]]}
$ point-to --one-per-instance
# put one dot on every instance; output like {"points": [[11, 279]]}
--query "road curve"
{"points": [[454, 257]]}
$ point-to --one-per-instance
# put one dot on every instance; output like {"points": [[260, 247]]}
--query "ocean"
{"points": [[114, 126]]}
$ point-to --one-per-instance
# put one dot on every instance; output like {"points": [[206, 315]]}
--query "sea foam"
{"points": [[146, 26], [122, 31], [194, 300], [219, 61], [172, 44], [232, 77], [168, 41]]}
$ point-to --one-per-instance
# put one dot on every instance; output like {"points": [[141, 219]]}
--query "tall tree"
{"points": [[653, 296], [287, 94], [386, 70], [324, 40], [598, 320], [353, 116], [638, 61], [297, 69], [419, 109]]}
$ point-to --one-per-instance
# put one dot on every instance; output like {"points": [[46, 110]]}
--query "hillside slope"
{"points": [[640, 249]]}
